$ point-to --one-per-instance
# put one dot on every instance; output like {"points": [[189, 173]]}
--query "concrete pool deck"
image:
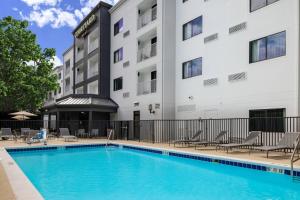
{"points": [[14, 179]]}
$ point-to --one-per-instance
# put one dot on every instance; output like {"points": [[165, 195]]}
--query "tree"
{"points": [[26, 70]]}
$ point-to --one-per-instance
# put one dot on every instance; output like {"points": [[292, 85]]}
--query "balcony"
{"points": [[146, 52], [79, 55], [79, 77], [93, 66], [146, 17], [146, 87]]}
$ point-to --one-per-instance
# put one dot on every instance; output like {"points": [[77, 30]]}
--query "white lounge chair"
{"points": [[65, 134]]}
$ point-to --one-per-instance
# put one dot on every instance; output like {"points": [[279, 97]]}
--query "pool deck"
{"points": [[15, 185]]}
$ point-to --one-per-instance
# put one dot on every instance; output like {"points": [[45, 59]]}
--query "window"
{"points": [[192, 68], [257, 4], [118, 27], [93, 88], [192, 28], [118, 84], [269, 47], [68, 83], [59, 76], [271, 120], [118, 55], [79, 90], [183, 1], [68, 64], [59, 90]]}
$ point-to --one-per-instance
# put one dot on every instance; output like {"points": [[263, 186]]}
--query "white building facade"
{"points": [[248, 58], [68, 61], [142, 59]]}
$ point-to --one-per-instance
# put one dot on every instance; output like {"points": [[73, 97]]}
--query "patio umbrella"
{"points": [[23, 113], [20, 117]]}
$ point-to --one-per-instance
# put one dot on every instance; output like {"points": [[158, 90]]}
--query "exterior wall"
{"points": [[128, 10], [102, 25], [269, 84], [68, 56]]}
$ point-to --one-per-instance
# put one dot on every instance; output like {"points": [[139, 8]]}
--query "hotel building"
{"points": [[142, 59], [237, 58], [187, 59], [87, 75], [190, 59]]}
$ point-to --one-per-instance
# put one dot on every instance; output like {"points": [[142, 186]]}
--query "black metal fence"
{"points": [[166, 131]]}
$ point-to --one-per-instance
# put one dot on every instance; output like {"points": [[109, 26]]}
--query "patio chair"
{"points": [[65, 134], [249, 141], [217, 140], [287, 142], [94, 133], [188, 141], [7, 133], [38, 136], [81, 133]]}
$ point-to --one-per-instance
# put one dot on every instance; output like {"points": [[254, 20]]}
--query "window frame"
{"points": [[266, 38], [261, 119], [191, 61], [114, 84], [267, 4], [118, 51], [184, 39], [118, 24]]}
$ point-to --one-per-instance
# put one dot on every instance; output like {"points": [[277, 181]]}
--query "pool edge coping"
{"points": [[20, 184], [18, 180]]}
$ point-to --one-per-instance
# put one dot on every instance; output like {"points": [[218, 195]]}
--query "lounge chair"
{"points": [[40, 136], [286, 142], [217, 140], [249, 141], [194, 139], [7, 133], [65, 134]]}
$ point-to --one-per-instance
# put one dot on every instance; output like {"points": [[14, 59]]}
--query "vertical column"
{"points": [[57, 121], [90, 121]]}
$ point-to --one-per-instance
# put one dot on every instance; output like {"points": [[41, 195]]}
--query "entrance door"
{"points": [[136, 125]]}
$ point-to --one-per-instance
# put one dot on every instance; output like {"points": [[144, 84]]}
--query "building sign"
{"points": [[85, 26]]}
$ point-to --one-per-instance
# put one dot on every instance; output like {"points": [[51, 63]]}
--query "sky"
{"points": [[51, 20]]}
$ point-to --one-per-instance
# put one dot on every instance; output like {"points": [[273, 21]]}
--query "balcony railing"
{"points": [[93, 71], [146, 87], [146, 52], [147, 17], [68, 70], [79, 55], [93, 45], [79, 78]]}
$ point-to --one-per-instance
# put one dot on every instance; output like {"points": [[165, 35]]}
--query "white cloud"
{"points": [[56, 61], [37, 3], [78, 14], [56, 17], [50, 12], [15, 9]]}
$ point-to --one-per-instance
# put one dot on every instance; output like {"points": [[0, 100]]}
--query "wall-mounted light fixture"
{"points": [[150, 108]]}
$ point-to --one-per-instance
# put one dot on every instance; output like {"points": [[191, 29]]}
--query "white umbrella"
{"points": [[23, 113], [20, 117]]}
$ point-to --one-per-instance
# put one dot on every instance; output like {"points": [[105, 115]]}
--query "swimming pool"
{"points": [[126, 173]]}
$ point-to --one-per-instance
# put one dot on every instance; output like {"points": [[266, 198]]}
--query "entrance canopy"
{"points": [[73, 103]]}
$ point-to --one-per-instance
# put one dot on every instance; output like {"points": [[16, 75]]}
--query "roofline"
{"points": [[117, 5], [69, 49], [100, 4]]}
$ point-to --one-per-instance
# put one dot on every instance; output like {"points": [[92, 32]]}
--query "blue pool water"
{"points": [[113, 173]]}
